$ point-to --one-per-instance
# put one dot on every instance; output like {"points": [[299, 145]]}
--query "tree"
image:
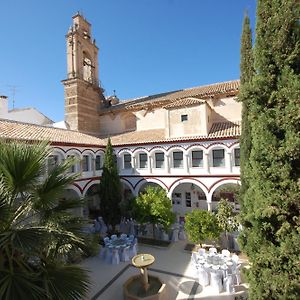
{"points": [[271, 206], [226, 218], [37, 231], [201, 225], [154, 206], [247, 73], [110, 189]]}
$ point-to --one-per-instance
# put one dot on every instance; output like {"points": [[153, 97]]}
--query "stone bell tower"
{"points": [[83, 94]]}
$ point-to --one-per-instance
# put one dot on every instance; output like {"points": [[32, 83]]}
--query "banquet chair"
{"points": [[132, 250], [108, 254], [123, 236], [114, 237], [228, 284], [225, 253], [175, 235], [213, 250], [216, 280], [115, 259], [125, 254], [203, 276], [201, 251], [235, 258]]}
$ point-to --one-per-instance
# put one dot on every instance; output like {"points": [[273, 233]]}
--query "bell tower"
{"points": [[83, 94]]}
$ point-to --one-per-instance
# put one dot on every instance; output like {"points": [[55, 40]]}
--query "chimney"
{"points": [[3, 106]]}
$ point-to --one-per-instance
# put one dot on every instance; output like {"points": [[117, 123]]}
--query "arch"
{"points": [[191, 181], [223, 181], [176, 147], [92, 199], [188, 194], [151, 180], [59, 152], [128, 184], [88, 185], [216, 193], [74, 187], [140, 149], [88, 152], [124, 150], [74, 151]]}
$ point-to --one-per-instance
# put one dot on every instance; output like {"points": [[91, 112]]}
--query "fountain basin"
{"points": [[133, 289]]}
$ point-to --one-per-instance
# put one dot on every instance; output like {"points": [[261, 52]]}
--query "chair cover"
{"points": [[115, 260]]}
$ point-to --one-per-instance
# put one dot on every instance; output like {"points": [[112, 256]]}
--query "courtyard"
{"points": [[173, 266]]}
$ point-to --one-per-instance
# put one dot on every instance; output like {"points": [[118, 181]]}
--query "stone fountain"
{"points": [[144, 286]]}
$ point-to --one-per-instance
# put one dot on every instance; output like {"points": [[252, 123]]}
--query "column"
{"points": [[206, 162], [228, 163], [150, 163], [167, 163], [186, 162]]}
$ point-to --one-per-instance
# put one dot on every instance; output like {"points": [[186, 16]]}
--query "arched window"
{"points": [[87, 69]]}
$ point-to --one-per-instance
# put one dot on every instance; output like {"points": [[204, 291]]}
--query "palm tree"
{"points": [[37, 229]]}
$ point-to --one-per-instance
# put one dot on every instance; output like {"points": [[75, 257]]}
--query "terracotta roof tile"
{"points": [[197, 92], [218, 130], [184, 102], [30, 132]]}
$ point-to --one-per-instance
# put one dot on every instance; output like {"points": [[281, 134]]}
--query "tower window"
{"points": [[178, 159], [87, 70], [218, 158], [143, 160], [159, 160], [197, 158]]}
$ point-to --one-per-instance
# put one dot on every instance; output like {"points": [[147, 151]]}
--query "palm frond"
{"points": [[19, 285], [21, 165], [66, 282], [48, 193]]}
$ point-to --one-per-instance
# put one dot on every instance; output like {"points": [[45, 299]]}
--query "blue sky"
{"points": [[146, 46]]}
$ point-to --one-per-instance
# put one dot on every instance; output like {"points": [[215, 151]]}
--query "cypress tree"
{"points": [[271, 204], [247, 73], [110, 189]]}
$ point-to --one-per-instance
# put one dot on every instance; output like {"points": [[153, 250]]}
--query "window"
{"points": [[197, 158], [176, 199], [98, 163], [159, 160], [178, 159], [237, 157], [52, 162], [188, 200], [184, 118], [72, 169], [143, 160], [218, 158], [85, 163], [127, 161]]}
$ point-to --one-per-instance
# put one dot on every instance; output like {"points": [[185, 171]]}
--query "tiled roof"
{"points": [[205, 91], [184, 102], [199, 92], [30, 132], [218, 130]]}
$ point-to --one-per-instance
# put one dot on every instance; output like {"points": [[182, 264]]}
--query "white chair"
{"points": [[164, 236], [203, 276], [228, 284], [225, 253], [115, 259], [108, 254], [212, 251], [216, 280], [125, 254], [132, 251], [123, 236], [182, 235], [201, 251], [114, 237], [175, 235], [236, 273], [235, 259]]}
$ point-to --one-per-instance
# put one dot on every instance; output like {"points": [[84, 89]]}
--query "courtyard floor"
{"points": [[172, 265]]}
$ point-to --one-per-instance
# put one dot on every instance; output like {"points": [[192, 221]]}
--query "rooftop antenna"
{"points": [[13, 89]]}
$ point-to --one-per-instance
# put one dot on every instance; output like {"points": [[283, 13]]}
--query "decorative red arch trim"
{"points": [[223, 179], [191, 178]]}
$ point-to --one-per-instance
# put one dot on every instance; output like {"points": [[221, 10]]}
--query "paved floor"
{"points": [[171, 264]]}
